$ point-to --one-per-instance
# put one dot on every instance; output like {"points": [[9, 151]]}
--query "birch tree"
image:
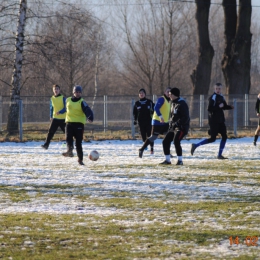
{"points": [[13, 114]]}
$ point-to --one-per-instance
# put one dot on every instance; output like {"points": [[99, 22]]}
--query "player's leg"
{"points": [[167, 140], [177, 143], [223, 132], [142, 129], [78, 132], [62, 125], [69, 132], [52, 130], [213, 134], [148, 129], [154, 135], [257, 131]]}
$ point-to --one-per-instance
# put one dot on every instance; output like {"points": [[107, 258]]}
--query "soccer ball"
{"points": [[93, 155]]}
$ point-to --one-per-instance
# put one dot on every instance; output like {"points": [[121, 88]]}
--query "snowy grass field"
{"points": [[124, 207]]}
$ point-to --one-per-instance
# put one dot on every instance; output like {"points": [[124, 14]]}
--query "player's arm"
{"points": [[63, 110], [51, 110], [157, 107], [87, 111], [135, 112], [226, 106]]}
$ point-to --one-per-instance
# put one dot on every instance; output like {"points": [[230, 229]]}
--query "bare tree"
{"points": [[8, 20], [201, 75], [155, 42], [13, 114], [66, 47], [236, 62]]}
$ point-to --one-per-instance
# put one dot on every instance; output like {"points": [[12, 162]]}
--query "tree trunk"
{"points": [[200, 76], [96, 69], [236, 62], [13, 114]]}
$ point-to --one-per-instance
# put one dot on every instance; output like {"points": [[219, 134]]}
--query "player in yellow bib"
{"points": [[57, 115], [160, 120], [78, 113]]}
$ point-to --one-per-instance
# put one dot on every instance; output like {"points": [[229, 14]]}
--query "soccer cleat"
{"points": [[171, 155], [165, 162], [80, 162], [151, 152], [140, 153], [68, 154], [254, 143], [45, 146], [193, 147], [179, 162], [221, 157]]}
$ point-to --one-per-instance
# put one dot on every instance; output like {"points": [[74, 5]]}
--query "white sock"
{"points": [[168, 158], [180, 158]]}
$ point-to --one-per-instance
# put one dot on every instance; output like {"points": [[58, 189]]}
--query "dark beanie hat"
{"points": [[142, 89], [175, 92]]}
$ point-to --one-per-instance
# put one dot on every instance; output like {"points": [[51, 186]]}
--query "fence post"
{"points": [[105, 113], [1, 112], [235, 117], [132, 119], [21, 119], [201, 110], [246, 109], [154, 98]]}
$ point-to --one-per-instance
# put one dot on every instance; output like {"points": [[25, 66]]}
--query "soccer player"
{"points": [[160, 120], [78, 112], [216, 119], [143, 112], [57, 115], [179, 122]]}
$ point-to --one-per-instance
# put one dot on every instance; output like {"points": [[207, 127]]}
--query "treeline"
{"points": [[142, 44]]}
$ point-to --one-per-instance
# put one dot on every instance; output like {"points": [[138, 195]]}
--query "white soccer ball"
{"points": [[93, 155]]}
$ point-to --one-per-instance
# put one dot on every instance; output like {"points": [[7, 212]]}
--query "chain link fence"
{"points": [[113, 113]]}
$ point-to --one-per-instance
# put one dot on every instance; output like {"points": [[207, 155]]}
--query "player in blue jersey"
{"points": [[160, 120]]}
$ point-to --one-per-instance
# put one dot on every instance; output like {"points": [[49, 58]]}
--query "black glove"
{"points": [[135, 122]]}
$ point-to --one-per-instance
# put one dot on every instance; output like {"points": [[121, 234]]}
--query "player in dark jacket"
{"points": [[257, 110], [216, 119], [143, 112], [180, 121]]}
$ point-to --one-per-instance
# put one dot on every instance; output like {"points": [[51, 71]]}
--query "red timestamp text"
{"points": [[249, 241]]}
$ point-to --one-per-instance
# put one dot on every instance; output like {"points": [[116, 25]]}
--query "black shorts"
{"points": [[160, 129], [218, 128]]}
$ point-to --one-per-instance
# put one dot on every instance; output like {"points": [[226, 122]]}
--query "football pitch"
{"points": [[124, 207]]}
